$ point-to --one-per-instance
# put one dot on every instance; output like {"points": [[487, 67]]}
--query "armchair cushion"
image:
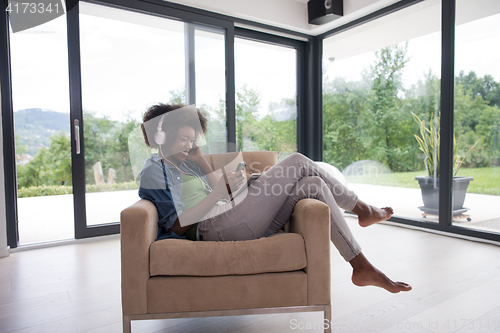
{"points": [[230, 292], [281, 252]]}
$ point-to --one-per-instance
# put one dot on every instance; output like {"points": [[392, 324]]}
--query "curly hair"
{"points": [[152, 117]]}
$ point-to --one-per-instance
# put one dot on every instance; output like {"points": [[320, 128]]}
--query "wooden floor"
{"points": [[456, 288]]}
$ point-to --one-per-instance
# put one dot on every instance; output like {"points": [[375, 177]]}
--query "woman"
{"points": [[184, 187]]}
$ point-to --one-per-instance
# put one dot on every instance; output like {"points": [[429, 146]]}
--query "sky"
{"points": [[477, 49], [127, 67]]}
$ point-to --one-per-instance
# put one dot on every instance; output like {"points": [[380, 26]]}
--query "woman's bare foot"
{"points": [[368, 215], [365, 274], [374, 277]]}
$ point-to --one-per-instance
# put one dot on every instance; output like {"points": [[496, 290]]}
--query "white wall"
{"points": [[288, 14], [4, 249]]}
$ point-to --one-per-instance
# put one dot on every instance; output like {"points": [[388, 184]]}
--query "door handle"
{"points": [[77, 136]]}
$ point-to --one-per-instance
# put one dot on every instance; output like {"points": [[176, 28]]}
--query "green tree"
{"points": [[58, 160], [391, 127], [216, 135], [120, 158], [50, 166], [177, 96], [485, 87], [277, 131], [247, 104], [476, 118], [423, 99], [97, 135], [489, 130], [33, 173], [106, 141], [345, 130], [21, 150]]}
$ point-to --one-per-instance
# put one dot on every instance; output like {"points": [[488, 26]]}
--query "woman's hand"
{"points": [[195, 155], [234, 181]]}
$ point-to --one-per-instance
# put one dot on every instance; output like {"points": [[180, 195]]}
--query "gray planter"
{"points": [[430, 194]]}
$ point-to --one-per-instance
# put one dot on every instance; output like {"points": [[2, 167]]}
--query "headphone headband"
{"points": [[160, 136], [160, 123]]}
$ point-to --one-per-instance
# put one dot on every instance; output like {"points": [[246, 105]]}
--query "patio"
{"points": [[51, 218], [405, 201]]}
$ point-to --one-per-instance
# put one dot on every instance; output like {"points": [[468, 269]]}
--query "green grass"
{"points": [[486, 180]]}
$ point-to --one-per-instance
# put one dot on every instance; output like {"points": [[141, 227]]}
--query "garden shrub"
{"points": [[46, 190]]}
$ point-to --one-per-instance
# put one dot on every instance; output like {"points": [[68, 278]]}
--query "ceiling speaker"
{"points": [[324, 11]]}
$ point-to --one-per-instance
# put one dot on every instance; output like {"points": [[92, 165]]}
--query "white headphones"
{"points": [[160, 135]]}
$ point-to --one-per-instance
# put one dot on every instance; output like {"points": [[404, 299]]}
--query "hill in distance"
{"points": [[34, 127]]}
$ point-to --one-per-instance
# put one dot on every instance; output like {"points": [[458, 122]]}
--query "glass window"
{"points": [[39, 64], [210, 69], [476, 186], [380, 80], [129, 61], [266, 89]]}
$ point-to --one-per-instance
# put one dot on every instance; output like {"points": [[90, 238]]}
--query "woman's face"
{"points": [[184, 141]]}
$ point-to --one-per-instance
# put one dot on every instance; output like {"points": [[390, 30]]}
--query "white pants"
{"points": [[270, 201]]}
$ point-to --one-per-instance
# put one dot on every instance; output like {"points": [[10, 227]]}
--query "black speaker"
{"points": [[324, 11]]}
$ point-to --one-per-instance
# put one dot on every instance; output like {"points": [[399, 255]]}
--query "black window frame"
{"points": [[309, 93], [300, 47], [446, 123], [195, 18]]}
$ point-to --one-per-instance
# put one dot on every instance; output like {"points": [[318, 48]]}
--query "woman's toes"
{"points": [[375, 215], [374, 277], [404, 286], [389, 210]]}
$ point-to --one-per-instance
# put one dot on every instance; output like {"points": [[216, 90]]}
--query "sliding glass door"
{"points": [[378, 86], [410, 113], [39, 67], [477, 117], [76, 169], [266, 91], [210, 84], [129, 61]]}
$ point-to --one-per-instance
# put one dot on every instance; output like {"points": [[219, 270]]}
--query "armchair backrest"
{"points": [[257, 161]]}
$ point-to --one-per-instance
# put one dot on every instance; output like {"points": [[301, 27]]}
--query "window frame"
{"points": [[446, 123], [195, 18], [299, 46], [309, 92]]}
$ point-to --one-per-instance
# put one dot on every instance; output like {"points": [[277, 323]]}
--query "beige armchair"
{"points": [[286, 272]]}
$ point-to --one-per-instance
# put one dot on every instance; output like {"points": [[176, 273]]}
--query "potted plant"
{"points": [[429, 185]]}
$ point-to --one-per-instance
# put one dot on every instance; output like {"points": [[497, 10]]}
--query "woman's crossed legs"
{"points": [[269, 204]]}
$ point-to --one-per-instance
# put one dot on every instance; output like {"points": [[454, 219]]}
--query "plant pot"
{"points": [[430, 194]]}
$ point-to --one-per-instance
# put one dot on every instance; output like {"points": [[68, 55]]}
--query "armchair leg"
{"points": [[328, 319], [126, 324]]}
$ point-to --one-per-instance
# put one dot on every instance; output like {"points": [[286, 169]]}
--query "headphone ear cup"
{"points": [[160, 138]]}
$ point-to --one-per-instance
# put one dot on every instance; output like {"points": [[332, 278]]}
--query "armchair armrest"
{"points": [[139, 228], [311, 219]]}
